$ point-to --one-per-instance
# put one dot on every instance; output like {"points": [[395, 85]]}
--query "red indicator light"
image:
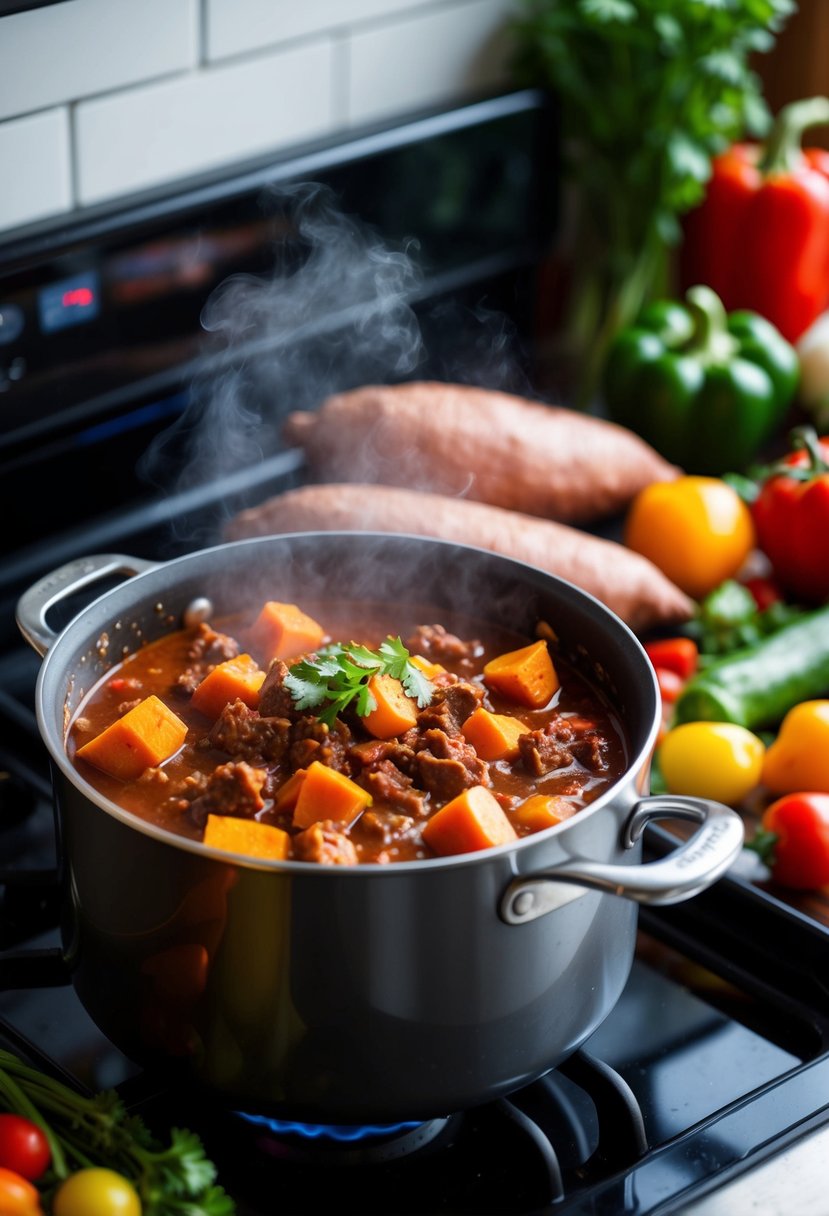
{"points": [[78, 297]]}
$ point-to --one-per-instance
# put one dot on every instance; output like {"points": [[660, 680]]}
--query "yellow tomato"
{"points": [[718, 760], [697, 530], [798, 759], [96, 1191]]}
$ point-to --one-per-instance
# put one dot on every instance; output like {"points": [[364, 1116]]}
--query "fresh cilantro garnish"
{"points": [[338, 676]]}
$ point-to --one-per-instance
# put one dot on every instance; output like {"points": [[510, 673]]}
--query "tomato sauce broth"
{"points": [[581, 749]]}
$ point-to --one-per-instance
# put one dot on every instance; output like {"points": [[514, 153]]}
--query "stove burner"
{"points": [[355, 1144]]}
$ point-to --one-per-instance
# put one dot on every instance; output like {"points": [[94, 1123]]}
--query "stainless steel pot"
{"points": [[347, 994]]}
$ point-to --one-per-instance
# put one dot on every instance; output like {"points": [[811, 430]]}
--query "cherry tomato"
{"points": [[17, 1195], [96, 1192], [670, 684], [798, 852], [679, 654], [23, 1147]]}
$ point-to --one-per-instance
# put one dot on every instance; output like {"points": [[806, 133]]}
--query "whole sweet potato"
{"points": [[627, 583], [489, 446]]}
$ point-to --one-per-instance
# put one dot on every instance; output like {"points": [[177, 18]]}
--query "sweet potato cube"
{"points": [[494, 736], [395, 713], [237, 679], [328, 794], [542, 811], [145, 736], [429, 669], [471, 821], [284, 631], [287, 794], [526, 675], [246, 836]]}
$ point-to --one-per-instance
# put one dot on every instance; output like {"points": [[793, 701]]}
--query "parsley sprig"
{"points": [[173, 1179], [338, 676]]}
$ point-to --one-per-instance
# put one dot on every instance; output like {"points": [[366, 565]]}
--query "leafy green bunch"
{"points": [[649, 91]]}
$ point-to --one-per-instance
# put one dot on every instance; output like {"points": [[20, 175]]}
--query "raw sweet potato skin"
{"points": [[489, 446], [630, 585]]}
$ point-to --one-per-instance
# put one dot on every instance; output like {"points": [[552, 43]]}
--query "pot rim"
{"points": [[61, 760]]}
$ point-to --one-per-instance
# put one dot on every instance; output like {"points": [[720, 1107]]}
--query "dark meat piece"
{"points": [[542, 751], [385, 827], [312, 740], [386, 783], [209, 648], [323, 843], [231, 789], [246, 735], [591, 751], [450, 707], [447, 766], [435, 643], [275, 700]]}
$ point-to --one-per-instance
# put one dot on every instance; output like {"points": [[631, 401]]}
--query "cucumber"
{"points": [[758, 685]]}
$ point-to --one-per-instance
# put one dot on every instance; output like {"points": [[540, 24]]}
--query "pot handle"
{"points": [[686, 871], [63, 582]]}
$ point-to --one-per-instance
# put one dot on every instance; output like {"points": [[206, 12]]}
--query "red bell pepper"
{"points": [[679, 654], [791, 517], [760, 238]]}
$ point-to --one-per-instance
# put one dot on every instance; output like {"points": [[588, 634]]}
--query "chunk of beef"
{"points": [[369, 755], [591, 751], [275, 700], [436, 643], [542, 752], [209, 648], [447, 766], [386, 783], [246, 735], [450, 707], [231, 789], [323, 843], [385, 827], [312, 740]]}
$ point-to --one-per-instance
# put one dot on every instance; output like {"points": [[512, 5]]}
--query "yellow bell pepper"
{"points": [[696, 530], [798, 759], [718, 760]]}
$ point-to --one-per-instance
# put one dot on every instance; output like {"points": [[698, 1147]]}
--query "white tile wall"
{"points": [[140, 137], [36, 183], [234, 26], [426, 59], [102, 98], [65, 51]]}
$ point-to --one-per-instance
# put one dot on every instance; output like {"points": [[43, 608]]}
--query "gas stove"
{"points": [[716, 1057]]}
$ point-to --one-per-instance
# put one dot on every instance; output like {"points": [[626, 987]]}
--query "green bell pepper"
{"points": [[707, 389]]}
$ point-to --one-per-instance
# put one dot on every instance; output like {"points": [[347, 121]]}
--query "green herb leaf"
{"points": [[337, 677]]}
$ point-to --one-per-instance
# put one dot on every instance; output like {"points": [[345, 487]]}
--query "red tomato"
{"points": [[23, 1147], [765, 591], [799, 853], [17, 1195], [670, 684], [674, 654]]}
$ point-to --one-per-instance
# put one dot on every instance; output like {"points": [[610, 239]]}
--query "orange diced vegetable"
{"points": [[284, 631], [474, 820], [396, 712], [429, 669], [246, 836], [526, 675], [494, 736], [148, 734], [287, 794], [237, 679], [327, 794], [543, 811]]}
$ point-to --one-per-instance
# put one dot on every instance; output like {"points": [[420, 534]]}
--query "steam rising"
{"points": [[335, 312]]}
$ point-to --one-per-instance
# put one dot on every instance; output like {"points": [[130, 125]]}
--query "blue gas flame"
{"points": [[342, 1132]]}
